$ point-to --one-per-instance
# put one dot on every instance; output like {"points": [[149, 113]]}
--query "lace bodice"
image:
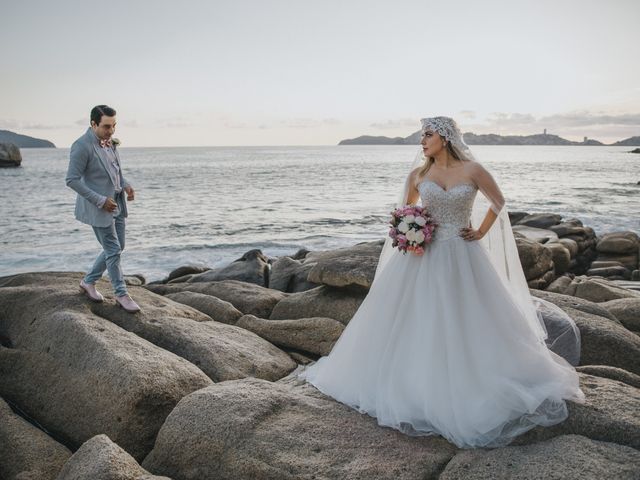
{"points": [[451, 209]]}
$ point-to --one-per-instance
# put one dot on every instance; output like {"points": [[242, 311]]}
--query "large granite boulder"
{"points": [[540, 220], [213, 307], [536, 261], [619, 243], [567, 301], [184, 271], [290, 275], [313, 335], [561, 257], [26, 452], [614, 373], [78, 374], [564, 457], [609, 414], [100, 459], [626, 310], [606, 343], [598, 290], [222, 351], [347, 271], [246, 297], [252, 428], [10, 155], [252, 267], [540, 235], [337, 303]]}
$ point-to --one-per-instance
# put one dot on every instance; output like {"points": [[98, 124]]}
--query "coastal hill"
{"points": [[488, 139], [24, 141]]}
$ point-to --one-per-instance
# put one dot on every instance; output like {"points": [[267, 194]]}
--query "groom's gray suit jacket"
{"points": [[90, 176]]}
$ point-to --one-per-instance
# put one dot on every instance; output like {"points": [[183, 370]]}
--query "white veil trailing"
{"points": [[499, 243]]}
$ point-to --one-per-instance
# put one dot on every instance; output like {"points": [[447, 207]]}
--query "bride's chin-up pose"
{"points": [[451, 342]]}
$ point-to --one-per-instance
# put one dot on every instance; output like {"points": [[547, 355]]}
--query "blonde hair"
{"points": [[430, 160]]}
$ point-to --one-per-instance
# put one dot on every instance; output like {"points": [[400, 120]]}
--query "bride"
{"points": [[451, 343]]}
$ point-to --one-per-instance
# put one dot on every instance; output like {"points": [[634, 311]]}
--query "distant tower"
{"points": [[585, 140], [545, 131]]}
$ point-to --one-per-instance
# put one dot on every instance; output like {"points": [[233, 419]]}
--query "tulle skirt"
{"points": [[438, 347]]}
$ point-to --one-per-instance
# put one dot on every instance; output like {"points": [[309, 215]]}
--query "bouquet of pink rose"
{"points": [[411, 229]]}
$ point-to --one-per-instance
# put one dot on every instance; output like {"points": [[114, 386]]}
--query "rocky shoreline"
{"points": [[202, 383]]}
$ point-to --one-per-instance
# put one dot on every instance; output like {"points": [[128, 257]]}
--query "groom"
{"points": [[95, 174]]}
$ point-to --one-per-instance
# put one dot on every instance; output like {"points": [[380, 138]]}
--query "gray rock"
{"points": [[223, 352], [570, 245], [563, 338], [357, 270], [613, 373], [246, 297], [366, 249], [561, 257], [609, 272], [568, 302], [598, 290], [185, 270], [605, 264], [213, 307], [252, 428], [540, 220], [609, 414], [565, 457], [606, 343], [134, 280], [559, 285], [539, 235], [100, 459], [290, 275], [626, 310], [619, 242], [26, 452], [252, 267], [627, 260], [10, 155], [78, 374], [314, 335], [323, 301], [535, 259]]}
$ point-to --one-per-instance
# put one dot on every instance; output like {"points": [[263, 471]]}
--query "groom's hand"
{"points": [[131, 194], [109, 205]]}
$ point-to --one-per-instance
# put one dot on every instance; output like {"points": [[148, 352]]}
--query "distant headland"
{"points": [[490, 139], [24, 141]]}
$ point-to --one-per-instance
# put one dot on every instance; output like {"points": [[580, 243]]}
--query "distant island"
{"points": [[24, 141], [490, 139]]}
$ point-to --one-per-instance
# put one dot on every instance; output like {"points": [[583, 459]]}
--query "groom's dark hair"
{"points": [[99, 110]]}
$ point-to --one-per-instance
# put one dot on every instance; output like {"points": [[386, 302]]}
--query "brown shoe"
{"points": [[126, 302], [89, 289]]}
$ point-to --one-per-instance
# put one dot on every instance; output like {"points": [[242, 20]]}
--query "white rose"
{"points": [[409, 219], [403, 227], [419, 237], [411, 235], [421, 221]]}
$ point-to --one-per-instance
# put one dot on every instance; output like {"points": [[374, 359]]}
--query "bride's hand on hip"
{"points": [[471, 234]]}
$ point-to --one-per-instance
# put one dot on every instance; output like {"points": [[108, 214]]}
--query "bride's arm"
{"points": [[411, 192], [488, 186]]}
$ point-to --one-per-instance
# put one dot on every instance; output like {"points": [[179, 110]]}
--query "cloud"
{"points": [[398, 123], [467, 114], [12, 124]]}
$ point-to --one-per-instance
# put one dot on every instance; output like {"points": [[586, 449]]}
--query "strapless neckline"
{"points": [[447, 189]]}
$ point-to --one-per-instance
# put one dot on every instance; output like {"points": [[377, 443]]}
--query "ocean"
{"points": [[209, 205]]}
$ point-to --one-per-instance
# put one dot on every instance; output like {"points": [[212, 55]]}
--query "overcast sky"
{"points": [[299, 72]]}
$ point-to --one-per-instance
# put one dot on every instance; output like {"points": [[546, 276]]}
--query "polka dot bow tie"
{"points": [[106, 143]]}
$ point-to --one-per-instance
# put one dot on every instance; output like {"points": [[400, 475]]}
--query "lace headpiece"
{"points": [[448, 129]]}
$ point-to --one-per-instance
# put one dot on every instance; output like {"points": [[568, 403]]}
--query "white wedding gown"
{"points": [[438, 347]]}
